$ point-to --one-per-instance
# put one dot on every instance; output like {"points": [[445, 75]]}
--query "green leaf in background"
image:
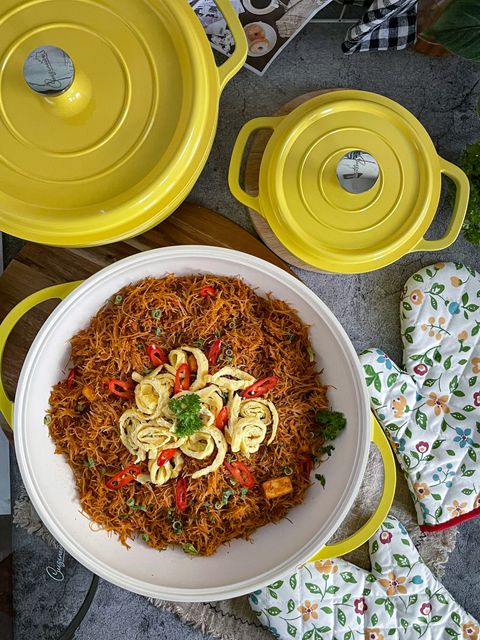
{"points": [[470, 163], [274, 611], [277, 584], [456, 618], [293, 581], [347, 576], [308, 634], [341, 617], [374, 619], [458, 29], [290, 606], [313, 588], [291, 630]]}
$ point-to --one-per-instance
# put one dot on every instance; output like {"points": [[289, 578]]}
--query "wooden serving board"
{"points": [[40, 266], [252, 172]]}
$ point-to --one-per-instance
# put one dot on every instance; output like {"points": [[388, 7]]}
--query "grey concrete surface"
{"points": [[442, 93]]}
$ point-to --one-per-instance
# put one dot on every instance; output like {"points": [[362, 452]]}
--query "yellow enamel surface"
{"points": [[122, 147], [318, 220], [9, 322], [373, 524]]}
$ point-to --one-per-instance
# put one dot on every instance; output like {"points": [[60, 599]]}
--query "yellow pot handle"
{"points": [[252, 202], [373, 524], [9, 322], [236, 61], [462, 187]]}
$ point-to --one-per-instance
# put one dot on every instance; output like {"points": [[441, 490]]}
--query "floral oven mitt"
{"points": [[431, 412], [335, 600]]}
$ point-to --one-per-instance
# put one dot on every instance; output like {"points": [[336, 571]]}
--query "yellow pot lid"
{"points": [[349, 181], [107, 141]]}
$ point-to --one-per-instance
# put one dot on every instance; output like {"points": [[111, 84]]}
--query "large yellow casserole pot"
{"points": [[350, 182], [116, 121]]}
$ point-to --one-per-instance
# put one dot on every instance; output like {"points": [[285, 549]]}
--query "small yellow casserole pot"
{"points": [[108, 110], [306, 200]]}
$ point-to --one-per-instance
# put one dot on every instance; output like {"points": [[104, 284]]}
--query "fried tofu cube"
{"points": [[277, 487]]}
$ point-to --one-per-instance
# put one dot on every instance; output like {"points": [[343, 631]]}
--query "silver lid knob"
{"points": [[48, 70]]}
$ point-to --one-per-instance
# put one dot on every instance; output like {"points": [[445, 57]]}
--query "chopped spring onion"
{"points": [[156, 314], [199, 343], [158, 331], [89, 462], [232, 482], [287, 470], [189, 548], [225, 498], [118, 299], [146, 371], [229, 353], [145, 537], [243, 491], [232, 324], [320, 478], [311, 354], [170, 513], [135, 507], [292, 337], [216, 333], [177, 526], [80, 407], [229, 458], [47, 419]]}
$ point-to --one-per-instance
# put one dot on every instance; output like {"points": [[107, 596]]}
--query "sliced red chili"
{"points": [[306, 460], [221, 420], [156, 355], [206, 292], [241, 473], [181, 494], [121, 388], [127, 475], [71, 378], [165, 456], [214, 352], [260, 388], [182, 379]]}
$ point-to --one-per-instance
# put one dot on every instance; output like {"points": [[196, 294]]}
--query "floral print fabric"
{"points": [[335, 600], [431, 412]]}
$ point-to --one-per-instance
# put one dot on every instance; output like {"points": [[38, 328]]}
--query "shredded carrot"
{"points": [[261, 335]]}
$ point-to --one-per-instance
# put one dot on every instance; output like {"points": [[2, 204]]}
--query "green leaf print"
{"points": [[456, 618], [332, 589], [326, 609], [466, 491], [451, 632], [391, 379], [441, 598], [468, 408], [412, 599], [436, 496], [436, 618], [293, 581], [348, 636], [348, 576], [313, 588], [374, 546], [403, 388], [437, 288], [346, 598], [401, 560], [458, 416], [433, 302], [277, 584], [437, 356], [417, 628], [437, 444], [421, 419], [291, 630], [438, 512], [274, 611], [472, 381], [404, 623], [290, 606], [472, 455], [448, 363], [417, 277], [389, 607], [374, 620], [429, 382], [471, 307], [465, 298], [307, 635], [341, 617], [453, 384], [406, 305]]}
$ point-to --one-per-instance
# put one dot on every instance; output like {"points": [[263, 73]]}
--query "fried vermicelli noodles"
{"points": [[260, 335]]}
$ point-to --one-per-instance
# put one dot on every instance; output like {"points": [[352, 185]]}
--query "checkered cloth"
{"points": [[388, 24]]}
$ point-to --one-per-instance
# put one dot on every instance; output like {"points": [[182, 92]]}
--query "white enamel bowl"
{"points": [[242, 566]]}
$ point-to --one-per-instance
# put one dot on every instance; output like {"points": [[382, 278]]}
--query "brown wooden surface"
{"points": [[39, 266], [252, 172]]}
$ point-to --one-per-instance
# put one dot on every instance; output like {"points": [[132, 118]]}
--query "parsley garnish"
{"points": [[470, 163], [331, 423], [321, 479], [187, 411]]}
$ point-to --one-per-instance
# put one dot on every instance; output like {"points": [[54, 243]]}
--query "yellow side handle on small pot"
{"points": [[462, 187], [236, 61], [57, 291], [234, 171], [375, 521]]}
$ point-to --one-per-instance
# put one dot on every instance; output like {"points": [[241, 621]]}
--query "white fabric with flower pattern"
{"points": [[335, 600], [431, 412]]}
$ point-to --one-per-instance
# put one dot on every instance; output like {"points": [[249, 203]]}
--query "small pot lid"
{"points": [[350, 181], [98, 125]]}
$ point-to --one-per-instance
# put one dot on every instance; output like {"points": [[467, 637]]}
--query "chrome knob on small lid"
{"points": [[357, 171], [48, 70]]}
